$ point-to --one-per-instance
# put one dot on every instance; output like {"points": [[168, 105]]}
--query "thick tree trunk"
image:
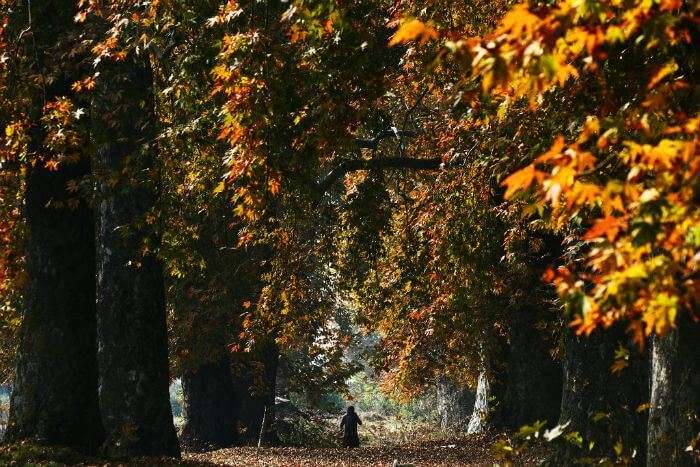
{"points": [[534, 380], [675, 397], [209, 406], [54, 398], [254, 379], [131, 328], [455, 405], [600, 405]]}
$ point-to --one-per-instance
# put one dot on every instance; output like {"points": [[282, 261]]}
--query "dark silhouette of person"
{"points": [[349, 426]]}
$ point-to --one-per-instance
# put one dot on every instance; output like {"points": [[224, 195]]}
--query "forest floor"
{"points": [[459, 451], [385, 442]]}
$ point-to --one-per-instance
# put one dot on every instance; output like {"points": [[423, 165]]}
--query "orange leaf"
{"points": [[518, 22], [618, 366], [554, 152], [670, 5], [661, 73], [520, 180], [608, 226], [548, 276], [412, 30]]}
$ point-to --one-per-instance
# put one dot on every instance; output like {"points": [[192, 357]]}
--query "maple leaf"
{"points": [[520, 180], [52, 165], [583, 194], [553, 152], [608, 226], [548, 276], [669, 5], [274, 186], [518, 22], [412, 30]]}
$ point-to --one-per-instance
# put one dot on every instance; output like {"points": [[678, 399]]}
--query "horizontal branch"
{"points": [[381, 163]]}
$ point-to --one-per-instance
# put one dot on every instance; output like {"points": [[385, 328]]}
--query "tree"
{"points": [[209, 406], [131, 329], [626, 171], [600, 406], [131, 317], [54, 398]]}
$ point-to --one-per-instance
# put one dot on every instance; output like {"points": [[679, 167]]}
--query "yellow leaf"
{"points": [[591, 127], [583, 194], [519, 22], [220, 187], [412, 30]]}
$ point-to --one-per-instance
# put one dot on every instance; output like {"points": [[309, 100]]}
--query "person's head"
{"points": [[351, 409]]}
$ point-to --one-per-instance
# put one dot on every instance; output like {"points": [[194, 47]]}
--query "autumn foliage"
{"points": [[631, 170]]}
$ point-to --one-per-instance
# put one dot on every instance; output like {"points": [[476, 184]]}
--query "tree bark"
{"points": [[490, 389], [131, 328], [675, 397], [601, 405], [254, 379], [455, 405], [209, 406], [534, 380], [54, 397]]}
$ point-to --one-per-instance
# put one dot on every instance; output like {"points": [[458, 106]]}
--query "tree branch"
{"points": [[382, 163], [392, 133]]}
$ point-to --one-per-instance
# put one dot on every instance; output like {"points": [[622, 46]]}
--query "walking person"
{"points": [[349, 426]]}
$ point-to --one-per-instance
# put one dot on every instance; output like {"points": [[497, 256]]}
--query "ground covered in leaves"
{"points": [[457, 451], [466, 450]]}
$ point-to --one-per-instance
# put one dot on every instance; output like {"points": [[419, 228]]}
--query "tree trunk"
{"points": [[600, 405], [54, 397], [519, 382], [675, 397], [131, 328], [455, 405], [254, 377], [534, 379], [209, 406], [490, 391]]}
